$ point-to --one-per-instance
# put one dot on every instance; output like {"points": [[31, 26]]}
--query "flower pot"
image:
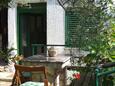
{"points": [[52, 52]]}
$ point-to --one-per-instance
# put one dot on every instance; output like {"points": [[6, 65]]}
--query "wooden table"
{"points": [[54, 66]]}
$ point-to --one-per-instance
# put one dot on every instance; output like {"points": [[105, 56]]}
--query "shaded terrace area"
{"points": [[88, 56]]}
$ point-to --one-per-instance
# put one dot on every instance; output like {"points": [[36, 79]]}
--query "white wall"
{"points": [[12, 24], [55, 23]]}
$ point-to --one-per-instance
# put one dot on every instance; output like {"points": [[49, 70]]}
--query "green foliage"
{"points": [[4, 3], [111, 40], [6, 53], [94, 28]]}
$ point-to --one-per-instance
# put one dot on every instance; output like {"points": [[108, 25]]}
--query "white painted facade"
{"points": [[55, 24], [12, 28]]}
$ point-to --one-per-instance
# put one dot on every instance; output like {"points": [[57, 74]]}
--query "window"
{"points": [[81, 29], [72, 21]]}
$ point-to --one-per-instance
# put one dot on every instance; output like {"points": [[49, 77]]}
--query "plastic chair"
{"points": [[21, 71]]}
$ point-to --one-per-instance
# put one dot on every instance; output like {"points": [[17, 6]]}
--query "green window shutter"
{"points": [[81, 30], [72, 23]]}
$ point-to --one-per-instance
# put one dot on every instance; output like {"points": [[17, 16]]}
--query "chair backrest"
{"points": [[20, 70]]}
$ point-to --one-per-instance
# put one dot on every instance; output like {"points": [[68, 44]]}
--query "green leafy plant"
{"points": [[6, 53], [4, 3], [94, 31]]}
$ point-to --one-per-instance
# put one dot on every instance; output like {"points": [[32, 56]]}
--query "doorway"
{"points": [[32, 29], [3, 29]]}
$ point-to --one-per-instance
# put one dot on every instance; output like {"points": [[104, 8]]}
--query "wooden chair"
{"points": [[19, 77]]}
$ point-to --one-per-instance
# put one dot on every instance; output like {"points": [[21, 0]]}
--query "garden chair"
{"points": [[23, 77]]}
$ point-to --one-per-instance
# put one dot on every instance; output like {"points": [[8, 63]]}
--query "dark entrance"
{"points": [[3, 28], [32, 29]]}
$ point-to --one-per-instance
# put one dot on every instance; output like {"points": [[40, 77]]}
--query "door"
{"points": [[3, 29], [32, 30]]}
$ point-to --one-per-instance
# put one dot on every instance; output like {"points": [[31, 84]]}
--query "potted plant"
{"points": [[6, 54]]}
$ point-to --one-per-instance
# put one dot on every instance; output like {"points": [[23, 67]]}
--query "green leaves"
{"points": [[91, 27], [6, 53], [4, 3]]}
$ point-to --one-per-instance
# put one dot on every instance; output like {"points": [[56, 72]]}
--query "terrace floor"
{"points": [[5, 76], [5, 83]]}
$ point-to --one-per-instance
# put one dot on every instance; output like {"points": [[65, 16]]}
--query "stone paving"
{"points": [[4, 83], [5, 75], [6, 78]]}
